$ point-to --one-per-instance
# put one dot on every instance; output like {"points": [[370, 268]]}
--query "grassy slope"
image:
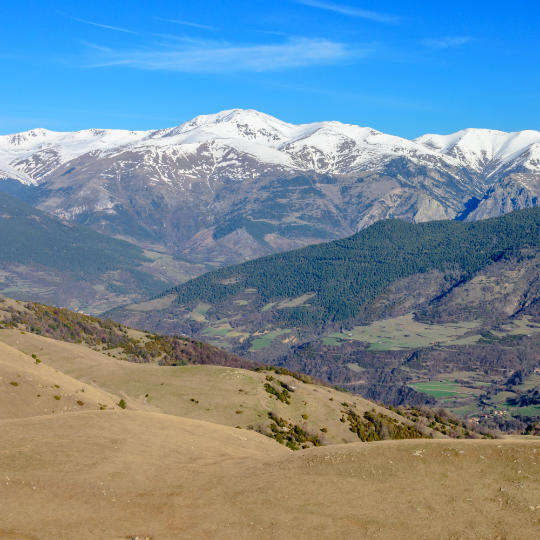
{"points": [[263, 401], [210, 393], [117, 340], [141, 473], [125, 474], [28, 388]]}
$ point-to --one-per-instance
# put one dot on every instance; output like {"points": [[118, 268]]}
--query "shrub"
{"points": [[122, 403], [283, 395]]}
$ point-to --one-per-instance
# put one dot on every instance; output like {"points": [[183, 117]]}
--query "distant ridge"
{"points": [[68, 264]]}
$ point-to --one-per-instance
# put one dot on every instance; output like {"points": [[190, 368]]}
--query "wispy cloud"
{"points": [[217, 57], [99, 25], [351, 11], [186, 23], [447, 42]]}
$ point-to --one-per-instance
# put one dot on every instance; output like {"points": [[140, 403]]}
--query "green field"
{"points": [[532, 410], [216, 331], [199, 313], [264, 341], [403, 333], [437, 389]]}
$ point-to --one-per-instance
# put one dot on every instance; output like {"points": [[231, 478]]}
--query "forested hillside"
{"points": [[29, 236], [345, 274], [443, 312]]}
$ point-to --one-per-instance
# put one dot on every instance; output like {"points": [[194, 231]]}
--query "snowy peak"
{"points": [[324, 147], [232, 124], [480, 147], [29, 137]]}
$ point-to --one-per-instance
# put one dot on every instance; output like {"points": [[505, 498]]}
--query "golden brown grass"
{"points": [[219, 391], [120, 474]]}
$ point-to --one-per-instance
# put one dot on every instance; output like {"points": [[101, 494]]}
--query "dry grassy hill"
{"points": [[223, 395], [30, 388], [95, 446], [284, 405], [132, 474]]}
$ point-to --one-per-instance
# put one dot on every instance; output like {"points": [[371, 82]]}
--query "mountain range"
{"points": [[231, 186]]}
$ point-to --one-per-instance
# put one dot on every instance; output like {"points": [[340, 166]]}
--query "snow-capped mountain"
{"points": [[240, 183]]}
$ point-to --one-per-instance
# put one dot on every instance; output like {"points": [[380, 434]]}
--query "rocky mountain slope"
{"points": [[55, 261], [226, 187]]}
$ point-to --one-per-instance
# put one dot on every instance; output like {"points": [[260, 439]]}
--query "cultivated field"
{"points": [[403, 333]]}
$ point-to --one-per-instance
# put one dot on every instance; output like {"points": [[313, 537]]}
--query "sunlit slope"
{"points": [[28, 387], [127, 474], [224, 395]]}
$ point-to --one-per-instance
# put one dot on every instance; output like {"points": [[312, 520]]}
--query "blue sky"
{"points": [[406, 67]]}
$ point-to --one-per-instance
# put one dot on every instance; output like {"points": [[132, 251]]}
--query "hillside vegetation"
{"points": [[441, 313], [343, 275], [117, 340], [29, 236]]}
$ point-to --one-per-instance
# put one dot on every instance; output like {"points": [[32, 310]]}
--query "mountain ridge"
{"points": [[272, 185], [45, 258], [254, 126]]}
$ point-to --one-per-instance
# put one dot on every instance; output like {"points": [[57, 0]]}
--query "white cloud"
{"points": [[351, 11], [186, 23], [99, 25], [216, 57], [447, 42]]}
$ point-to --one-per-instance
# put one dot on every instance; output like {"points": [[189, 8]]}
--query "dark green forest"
{"points": [[345, 274]]}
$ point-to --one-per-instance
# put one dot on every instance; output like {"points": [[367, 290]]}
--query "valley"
{"points": [[385, 313]]}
